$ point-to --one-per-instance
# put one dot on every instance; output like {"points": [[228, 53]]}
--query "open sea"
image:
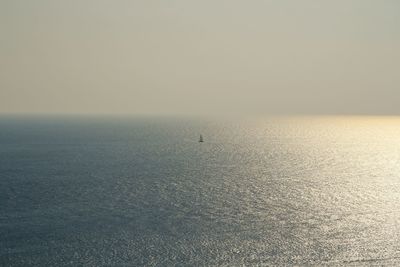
{"points": [[142, 191]]}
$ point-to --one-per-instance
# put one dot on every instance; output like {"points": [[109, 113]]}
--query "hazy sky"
{"points": [[199, 57]]}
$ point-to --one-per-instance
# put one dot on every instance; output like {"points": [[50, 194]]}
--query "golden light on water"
{"points": [[346, 171]]}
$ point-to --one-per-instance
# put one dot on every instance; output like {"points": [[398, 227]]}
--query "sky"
{"points": [[191, 57]]}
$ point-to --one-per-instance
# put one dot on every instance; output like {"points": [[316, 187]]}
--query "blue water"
{"points": [[126, 191]]}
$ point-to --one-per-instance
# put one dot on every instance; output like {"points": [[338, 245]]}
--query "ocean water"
{"points": [[120, 191]]}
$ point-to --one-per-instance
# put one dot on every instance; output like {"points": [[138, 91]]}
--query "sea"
{"points": [[143, 191]]}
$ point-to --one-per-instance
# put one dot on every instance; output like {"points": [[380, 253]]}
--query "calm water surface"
{"points": [[144, 192]]}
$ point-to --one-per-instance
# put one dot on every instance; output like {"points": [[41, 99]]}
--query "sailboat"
{"points": [[201, 139]]}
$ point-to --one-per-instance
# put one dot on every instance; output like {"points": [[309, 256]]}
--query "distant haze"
{"points": [[200, 57]]}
